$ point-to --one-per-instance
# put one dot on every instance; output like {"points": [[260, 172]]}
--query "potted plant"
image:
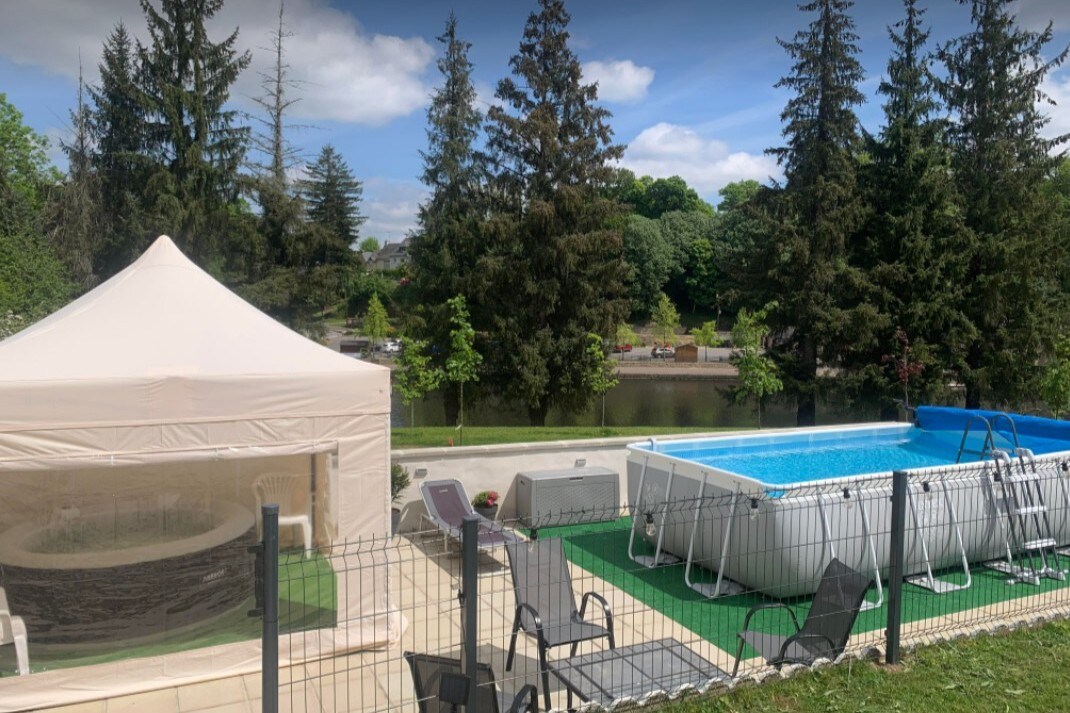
{"points": [[486, 503], [399, 480]]}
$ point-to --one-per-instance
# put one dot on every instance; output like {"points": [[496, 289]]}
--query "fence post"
{"points": [[895, 569], [269, 677], [470, 602]]}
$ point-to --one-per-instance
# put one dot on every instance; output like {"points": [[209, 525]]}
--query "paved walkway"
{"points": [[427, 597]]}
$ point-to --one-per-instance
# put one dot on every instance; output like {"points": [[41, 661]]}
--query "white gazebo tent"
{"points": [[160, 387]]}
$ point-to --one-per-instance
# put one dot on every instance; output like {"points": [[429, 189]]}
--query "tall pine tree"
{"points": [[186, 80], [117, 127], [818, 208], [908, 246], [1000, 160], [72, 217], [557, 265], [332, 197], [447, 245]]}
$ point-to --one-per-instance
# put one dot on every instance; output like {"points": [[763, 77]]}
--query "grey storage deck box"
{"points": [[548, 498]]}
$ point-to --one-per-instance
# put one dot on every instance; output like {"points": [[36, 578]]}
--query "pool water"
{"points": [[782, 459]]}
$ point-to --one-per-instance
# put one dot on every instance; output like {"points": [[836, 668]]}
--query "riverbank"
{"points": [[673, 370], [437, 436]]}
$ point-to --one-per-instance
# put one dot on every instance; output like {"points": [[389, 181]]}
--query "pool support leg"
{"points": [[722, 587], [659, 558]]}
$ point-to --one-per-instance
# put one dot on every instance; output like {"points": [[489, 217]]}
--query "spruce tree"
{"points": [[555, 261], [909, 245], [447, 244], [332, 197], [1000, 160], [185, 81], [117, 126], [818, 208], [72, 215]]}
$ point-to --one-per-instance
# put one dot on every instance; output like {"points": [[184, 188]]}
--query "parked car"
{"points": [[622, 348], [392, 346], [665, 352]]}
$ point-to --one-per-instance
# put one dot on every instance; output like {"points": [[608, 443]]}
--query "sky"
{"points": [[690, 83]]}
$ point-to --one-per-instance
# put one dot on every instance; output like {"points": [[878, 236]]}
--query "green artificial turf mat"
{"points": [[602, 550]]}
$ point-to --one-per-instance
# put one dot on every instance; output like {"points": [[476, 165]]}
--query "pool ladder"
{"points": [[1028, 538]]}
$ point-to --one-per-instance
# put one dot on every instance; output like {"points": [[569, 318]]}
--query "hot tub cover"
{"points": [[163, 363]]}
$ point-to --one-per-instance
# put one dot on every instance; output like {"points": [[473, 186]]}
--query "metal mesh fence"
{"points": [[677, 594]]}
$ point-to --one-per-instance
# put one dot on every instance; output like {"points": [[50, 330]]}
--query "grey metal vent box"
{"points": [[548, 498]]}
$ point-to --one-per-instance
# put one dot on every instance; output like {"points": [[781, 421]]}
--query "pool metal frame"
{"points": [[740, 490]]}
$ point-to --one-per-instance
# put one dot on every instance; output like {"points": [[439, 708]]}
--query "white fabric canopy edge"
{"points": [[175, 455]]}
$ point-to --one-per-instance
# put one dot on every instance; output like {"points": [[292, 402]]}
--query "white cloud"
{"points": [[622, 81], [347, 74], [706, 164], [485, 98], [1036, 14], [56, 136], [1057, 87], [391, 207]]}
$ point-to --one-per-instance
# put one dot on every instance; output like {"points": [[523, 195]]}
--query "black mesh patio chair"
{"points": [[828, 624], [546, 605], [441, 687]]}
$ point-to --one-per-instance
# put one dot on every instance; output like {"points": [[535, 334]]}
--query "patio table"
{"points": [[634, 672]]}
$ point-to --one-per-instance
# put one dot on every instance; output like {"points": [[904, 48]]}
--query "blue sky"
{"points": [[689, 82]]}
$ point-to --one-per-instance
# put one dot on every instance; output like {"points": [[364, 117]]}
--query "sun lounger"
{"points": [[447, 505]]}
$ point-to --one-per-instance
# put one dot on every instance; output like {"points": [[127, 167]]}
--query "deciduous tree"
{"points": [[462, 361], [666, 320], [600, 372], [415, 376], [757, 373], [375, 324]]}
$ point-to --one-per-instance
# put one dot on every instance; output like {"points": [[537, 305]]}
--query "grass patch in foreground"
{"points": [[435, 436], [1026, 670]]}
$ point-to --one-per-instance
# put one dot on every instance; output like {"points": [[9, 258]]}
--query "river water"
{"points": [[642, 402]]}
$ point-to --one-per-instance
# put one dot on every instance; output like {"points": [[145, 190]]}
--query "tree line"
{"points": [[901, 263], [156, 149], [887, 265]]}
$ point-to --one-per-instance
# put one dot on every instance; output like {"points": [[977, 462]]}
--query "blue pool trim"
{"points": [[800, 457]]}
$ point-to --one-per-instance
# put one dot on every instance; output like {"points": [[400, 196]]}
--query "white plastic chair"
{"points": [[281, 488], [13, 631]]}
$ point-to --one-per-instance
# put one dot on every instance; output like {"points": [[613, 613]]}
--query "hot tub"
{"points": [[127, 571], [768, 511]]}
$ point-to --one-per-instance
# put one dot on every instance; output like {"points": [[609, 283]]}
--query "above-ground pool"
{"points": [[785, 501]]}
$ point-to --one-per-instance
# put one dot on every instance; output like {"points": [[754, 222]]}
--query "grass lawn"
{"points": [[434, 436], [1026, 670]]}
